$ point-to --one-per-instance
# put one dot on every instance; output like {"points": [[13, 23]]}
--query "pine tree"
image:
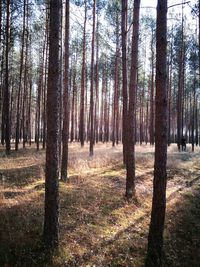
{"points": [[50, 231]]}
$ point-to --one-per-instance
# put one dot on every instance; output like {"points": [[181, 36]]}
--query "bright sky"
{"points": [[189, 4], [153, 3]]}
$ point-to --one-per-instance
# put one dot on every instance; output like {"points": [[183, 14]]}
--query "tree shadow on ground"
{"points": [[97, 226], [20, 231], [28, 151], [182, 244], [22, 176]]}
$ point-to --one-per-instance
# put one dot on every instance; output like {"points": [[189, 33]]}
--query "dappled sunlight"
{"points": [[97, 225]]}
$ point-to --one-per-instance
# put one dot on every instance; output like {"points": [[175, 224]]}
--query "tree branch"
{"points": [[179, 4]]}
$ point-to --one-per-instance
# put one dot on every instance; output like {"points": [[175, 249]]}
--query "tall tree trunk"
{"points": [[7, 91], [151, 128], [50, 231], [40, 85], [76, 115], [102, 106], [130, 163], [1, 59], [180, 89], [196, 121], [116, 88], [92, 84], [45, 85], [26, 70], [199, 40], [24, 105], [65, 131], [96, 119], [17, 137], [30, 107], [82, 100], [73, 104], [147, 121], [155, 238], [193, 114], [124, 75], [170, 94]]}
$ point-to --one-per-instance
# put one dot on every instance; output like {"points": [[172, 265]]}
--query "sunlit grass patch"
{"points": [[98, 227]]}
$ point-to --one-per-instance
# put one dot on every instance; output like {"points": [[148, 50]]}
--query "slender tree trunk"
{"points": [[193, 113], [105, 107], [151, 128], [76, 116], [0, 22], [24, 105], [65, 132], [124, 76], [170, 95], [82, 100], [116, 89], [30, 107], [45, 80], [102, 106], [147, 121], [155, 238], [96, 120], [1, 59], [108, 117], [50, 232], [40, 84], [92, 84], [73, 105], [7, 90], [117, 99], [17, 137], [196, 121], [3, 93], [130, 163], [25, 85], [180, 89]]}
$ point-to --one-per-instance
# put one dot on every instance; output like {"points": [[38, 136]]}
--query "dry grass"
{"points": [[97, 226]]}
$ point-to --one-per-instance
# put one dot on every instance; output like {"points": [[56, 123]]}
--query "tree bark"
{"points": [[130, 163], [151, 128], [82, 100], [7, 91], [180, 89], [124, 76], [65, 132], [17, 137], [155, 238], [92, 84], [50, 231]]}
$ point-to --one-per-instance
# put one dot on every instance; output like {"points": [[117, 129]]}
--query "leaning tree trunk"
{"points": [[50, 232], [155, 238]]}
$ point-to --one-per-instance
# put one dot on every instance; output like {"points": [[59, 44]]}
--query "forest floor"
{"points": [[97, 226]]}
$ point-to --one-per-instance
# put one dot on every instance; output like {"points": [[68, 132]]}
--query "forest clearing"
{"points": [[98, 227]]}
